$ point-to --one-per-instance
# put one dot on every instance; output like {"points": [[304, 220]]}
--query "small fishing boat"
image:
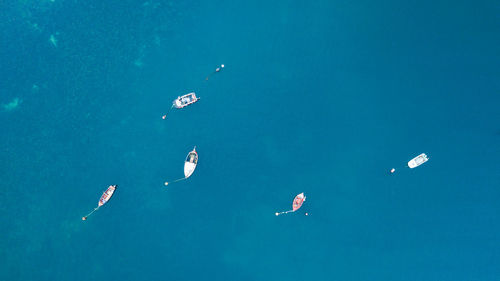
{"points": [[297, 203], [417, 161], [189, 165], [107, 195], [191, 162], [185, 100], [103, 200], [181, 102]]}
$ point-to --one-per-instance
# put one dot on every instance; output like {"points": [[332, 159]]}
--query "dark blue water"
{"points": [[321, 97]]}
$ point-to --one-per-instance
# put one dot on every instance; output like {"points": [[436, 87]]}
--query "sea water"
{"points": [[320, 97]]}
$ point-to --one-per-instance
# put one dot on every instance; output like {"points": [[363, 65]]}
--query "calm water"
{"points": [[321, 97]]}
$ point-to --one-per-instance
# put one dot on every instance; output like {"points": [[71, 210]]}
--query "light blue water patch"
{"points": [[12, 105]]}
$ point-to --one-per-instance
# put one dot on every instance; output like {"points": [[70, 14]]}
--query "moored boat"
{"points": [[417, 161], [107, 195], [296, 204], [103, 200], [191, 162], [185, 100], [297, 201]]}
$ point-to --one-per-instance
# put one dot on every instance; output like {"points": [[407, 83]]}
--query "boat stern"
{"points": [[189, 169]]}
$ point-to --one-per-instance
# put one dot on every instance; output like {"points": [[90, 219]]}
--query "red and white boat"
{"points": [[103, 200], [107, 195], [185, 100], [297, 201]]}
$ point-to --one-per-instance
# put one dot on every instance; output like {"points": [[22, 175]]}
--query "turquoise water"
{"points": [[321, 97]]}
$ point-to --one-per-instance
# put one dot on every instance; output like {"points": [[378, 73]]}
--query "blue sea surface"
{"points": [[320, 97]]}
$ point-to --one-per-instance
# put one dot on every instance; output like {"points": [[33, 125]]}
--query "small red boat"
{"points": [[103, 200], [107, 195], [297, 201]]}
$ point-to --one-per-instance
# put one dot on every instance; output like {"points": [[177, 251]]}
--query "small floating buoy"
{"points": [[166, 183], [218, 69], [393, 170], [307, 214], [277, 214]]}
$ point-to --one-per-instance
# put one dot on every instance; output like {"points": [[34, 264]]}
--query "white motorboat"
{"points": [[191, 162], [185, 100], [417, 161]]}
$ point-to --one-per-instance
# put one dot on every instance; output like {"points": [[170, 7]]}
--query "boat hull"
{"points": [[185, 100], [107, 195], [191, 162], [417, 161], [189, 169], [298, 201]]}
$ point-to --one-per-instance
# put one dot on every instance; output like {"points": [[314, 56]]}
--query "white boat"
{"points": [[185, 100], [417, 161], [191, 162]]}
